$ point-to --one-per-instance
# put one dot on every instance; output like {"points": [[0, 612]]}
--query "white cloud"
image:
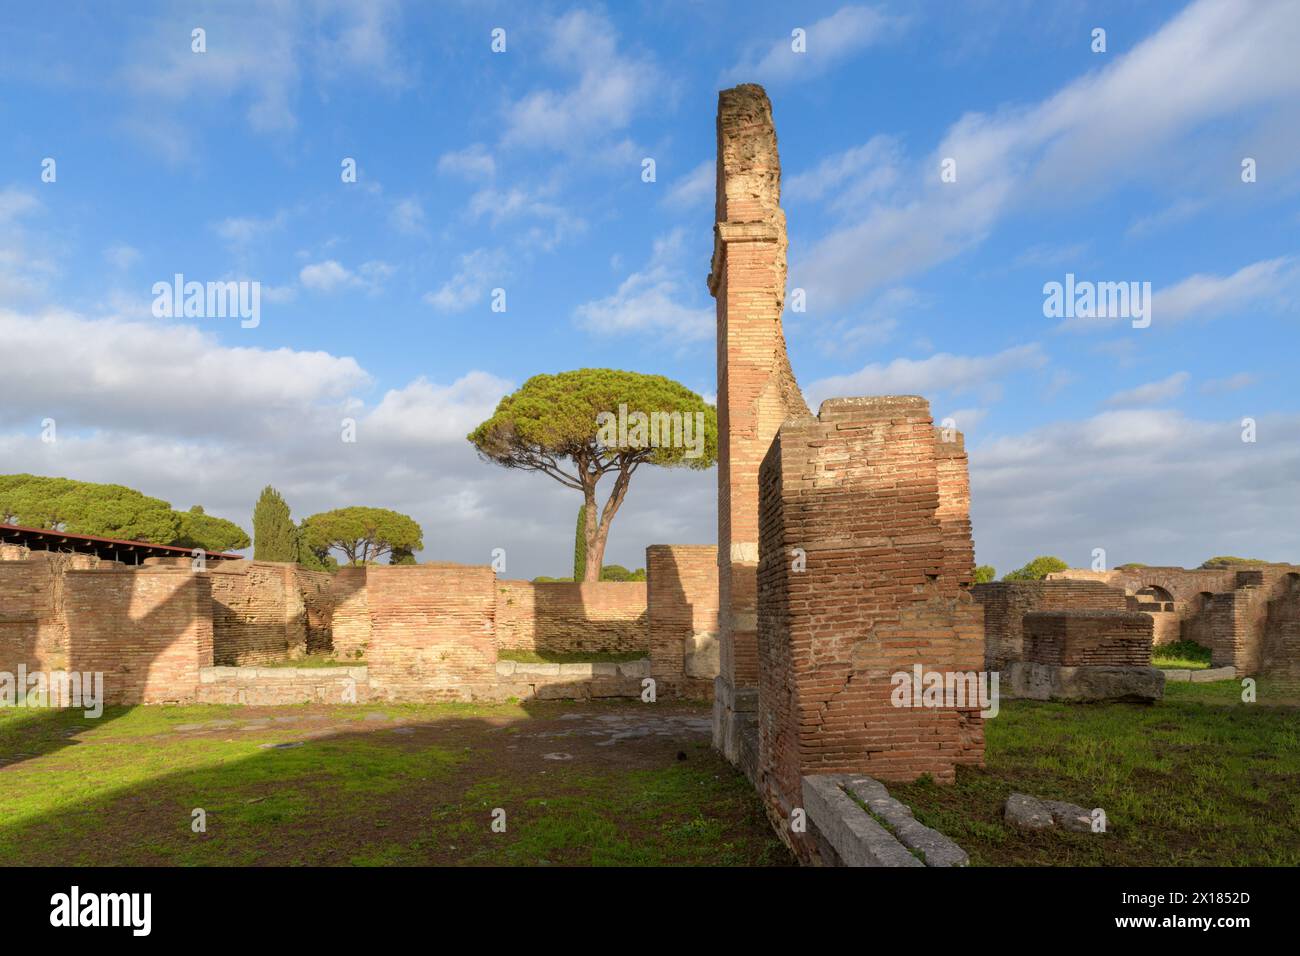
{"points": [[121, 256], [1152, 393], [1097, 133], [1210, 295], [115, 359], [240, 231], [408, 216], [851, 178], [611, 88], [941, 373], [1147, 485], [479, 271], [331, 276], [1230, 383], [652, 300], [258, 55], [424, 412], [829, 41], [695, 188], [472, 162]]}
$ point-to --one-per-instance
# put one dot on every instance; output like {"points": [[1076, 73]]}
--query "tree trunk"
{"points": [[598, 532], [595, 541]]}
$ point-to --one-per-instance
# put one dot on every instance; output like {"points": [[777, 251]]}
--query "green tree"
{"points": [[1037, 569], [275, 536], [600, 421], [1227, 561], [580, 545], [112, 511], [616, 572], [364, 535], [200, 530], [985, 573], [83, 507]]}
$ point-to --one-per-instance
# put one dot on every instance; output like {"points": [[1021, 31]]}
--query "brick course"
{"points": [[858, 490]]}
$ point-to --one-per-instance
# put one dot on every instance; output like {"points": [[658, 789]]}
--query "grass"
{"points": [[574, 657], [334, 785], [316, 660], [1181, 655], [1199, 778]]}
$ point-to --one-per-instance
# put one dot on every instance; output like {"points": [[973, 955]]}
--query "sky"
{"points": [[943, 163]]}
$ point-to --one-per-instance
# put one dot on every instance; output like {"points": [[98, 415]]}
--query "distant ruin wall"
{"points": [[1088, 638], [572, 618], [861, 576], [1007, 602], [682, 618], [148, 631], [432, 632]]}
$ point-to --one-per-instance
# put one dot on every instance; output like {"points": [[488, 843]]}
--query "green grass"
{"points": [[1181, 655], [574, 657], [1199, 778], [316, 660], [122, 790]]}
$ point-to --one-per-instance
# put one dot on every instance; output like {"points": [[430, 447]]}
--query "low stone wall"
{"points": [[571, 617], [571, 681], [275, 686]]}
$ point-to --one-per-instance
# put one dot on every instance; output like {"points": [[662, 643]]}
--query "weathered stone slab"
{"points": [[937, 849], [857, 839]]}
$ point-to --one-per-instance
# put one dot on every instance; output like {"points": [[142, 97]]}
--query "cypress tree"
{"points": [[275, 536], [580, 546]]}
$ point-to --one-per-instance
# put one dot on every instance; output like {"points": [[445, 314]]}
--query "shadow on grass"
{"points": [[337, 787]]}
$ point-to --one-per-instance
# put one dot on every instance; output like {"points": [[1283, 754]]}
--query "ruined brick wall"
{"points": [[311, 613], [350, 614], [1280, 645], [149, 631], [682, 618], [33, 627], [1088, 638], [431, 632], [266, 611], [1007, 602], [857, 491], [756, 387], [572, 618]]}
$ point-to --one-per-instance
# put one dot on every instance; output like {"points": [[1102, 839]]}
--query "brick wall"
{"points": [[1088, 638], [682, 607], [149, 631], [33, 627], [311, 609], [1007, 602], [756, 387], [350, 614], [858, 490], [605, 616], [431, 634]]}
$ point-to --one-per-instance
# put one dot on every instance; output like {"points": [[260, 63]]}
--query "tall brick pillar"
{"points": [[756, 390]]}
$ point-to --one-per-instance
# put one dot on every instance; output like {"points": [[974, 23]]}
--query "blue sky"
{"points": [[522, 170]]}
